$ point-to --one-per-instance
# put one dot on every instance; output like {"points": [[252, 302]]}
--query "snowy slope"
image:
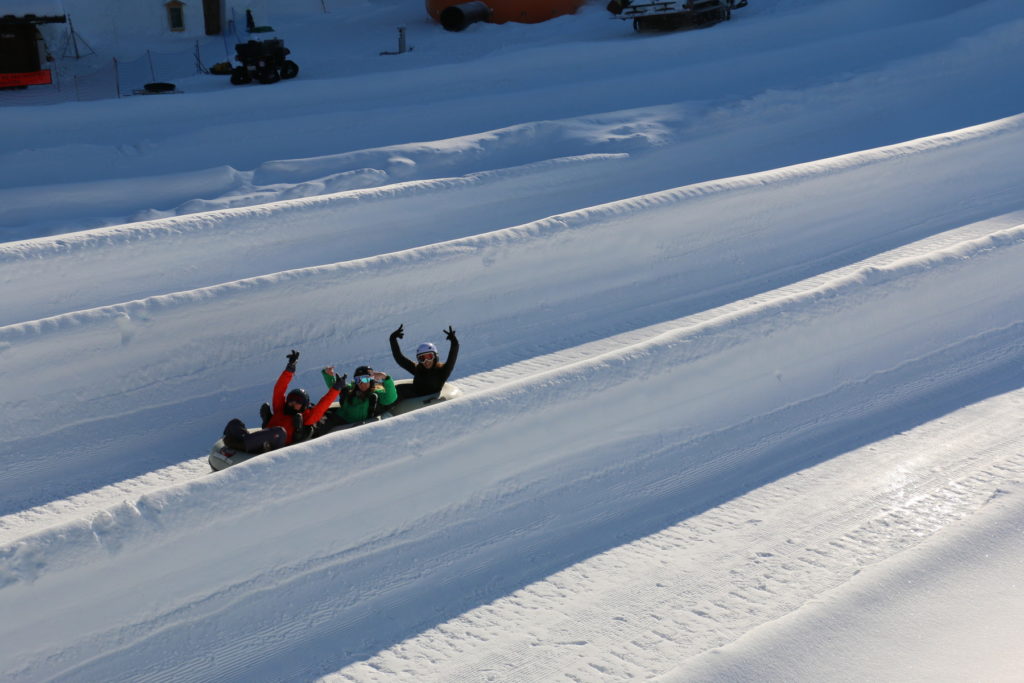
{"points": [[892, 612], [741, 314]]}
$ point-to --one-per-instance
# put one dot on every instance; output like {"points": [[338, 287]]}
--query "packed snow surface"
{"points": [[741, 313]]}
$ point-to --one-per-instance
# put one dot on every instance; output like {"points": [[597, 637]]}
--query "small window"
{"points": [[176, 15]]}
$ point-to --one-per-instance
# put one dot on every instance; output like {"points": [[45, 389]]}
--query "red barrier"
{"points": [[43, 77], [522, 11]]}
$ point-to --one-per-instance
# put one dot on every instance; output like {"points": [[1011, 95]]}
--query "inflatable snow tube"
{"points": [[448, 392], [223, 456]]}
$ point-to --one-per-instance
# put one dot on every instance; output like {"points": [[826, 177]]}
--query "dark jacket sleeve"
{"points": [[402, 361], [453, 355]]}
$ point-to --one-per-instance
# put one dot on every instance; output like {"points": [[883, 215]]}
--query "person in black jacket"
{"points": [[428, 372]]}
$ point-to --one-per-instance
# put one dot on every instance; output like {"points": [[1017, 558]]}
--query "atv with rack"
{"points": [[263, 61]]}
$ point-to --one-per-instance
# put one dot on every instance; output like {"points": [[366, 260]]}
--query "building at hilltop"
{"points": [[32, 32]]}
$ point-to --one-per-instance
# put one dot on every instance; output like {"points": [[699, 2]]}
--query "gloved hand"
{"points": [[340, 380], [449, 334], [292, 357], [399, 333]]}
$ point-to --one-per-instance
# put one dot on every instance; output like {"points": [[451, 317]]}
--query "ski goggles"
{"points": [[429, 355], [364, 379]]}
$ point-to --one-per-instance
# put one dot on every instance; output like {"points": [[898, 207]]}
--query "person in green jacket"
{"points": [[365, 397]]}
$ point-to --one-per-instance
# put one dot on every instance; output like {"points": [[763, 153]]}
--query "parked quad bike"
{"points": [[263, 61]]}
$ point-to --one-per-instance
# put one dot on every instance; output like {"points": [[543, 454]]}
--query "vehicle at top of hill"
{"points": [[263, 61], [222, 456], [669, 15]]}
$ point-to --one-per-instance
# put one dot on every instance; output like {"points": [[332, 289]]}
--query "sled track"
{"points": [[18, 524], [775, 461], [216, 265], [677, 594], [546, 362]]}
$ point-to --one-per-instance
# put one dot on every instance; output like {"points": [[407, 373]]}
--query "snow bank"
{"points": [[235, 243]]}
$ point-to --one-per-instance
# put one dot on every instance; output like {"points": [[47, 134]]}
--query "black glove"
{"points": [[339, 381], [292, 357], [449, 334], [399, 333]]}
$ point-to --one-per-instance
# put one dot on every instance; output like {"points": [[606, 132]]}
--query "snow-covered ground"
{"points": [[741, 313]]}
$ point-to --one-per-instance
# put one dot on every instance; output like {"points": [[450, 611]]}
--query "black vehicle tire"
{"points": [[240, 76], [268, 75], [289, 69]]}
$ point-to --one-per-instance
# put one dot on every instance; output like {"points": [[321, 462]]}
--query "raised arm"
{"points": [[453, 352], [389, 392], [313, 415], [281, 386], [396, 352]]}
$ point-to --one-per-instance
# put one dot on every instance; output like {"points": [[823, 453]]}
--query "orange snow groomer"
{"points": [[456, 15]]}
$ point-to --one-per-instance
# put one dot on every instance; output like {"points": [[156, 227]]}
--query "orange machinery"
{"points": [[456, 15]]}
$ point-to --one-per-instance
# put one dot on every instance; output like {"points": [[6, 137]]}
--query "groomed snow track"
{"points": [[713, 418]]}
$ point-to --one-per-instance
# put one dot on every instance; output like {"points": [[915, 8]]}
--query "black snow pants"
{"points": [[237, 436]]}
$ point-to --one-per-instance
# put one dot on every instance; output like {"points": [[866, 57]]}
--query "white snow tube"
{"points": [[448, 392], [221, 456]]}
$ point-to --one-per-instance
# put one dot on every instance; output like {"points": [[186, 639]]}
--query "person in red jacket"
{"points": [[290, 420]]}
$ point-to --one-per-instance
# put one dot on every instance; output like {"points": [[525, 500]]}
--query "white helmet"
{"points": [[426, 347]]}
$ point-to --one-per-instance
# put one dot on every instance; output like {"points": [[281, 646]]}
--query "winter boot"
{"points": [[234, 435]]}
